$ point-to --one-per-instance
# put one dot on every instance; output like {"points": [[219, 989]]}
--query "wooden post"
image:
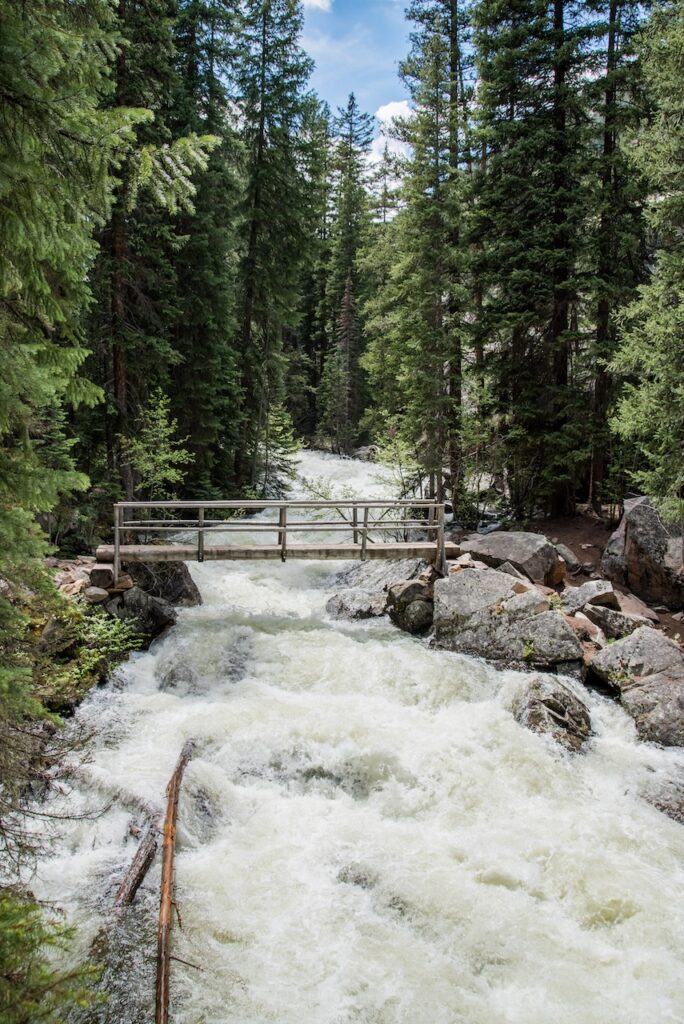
{"points": [[440, 560], [200, 535], [117, 544], [282, 533], [431, 523], [364, 535], [355, 524], [161, 1015]]}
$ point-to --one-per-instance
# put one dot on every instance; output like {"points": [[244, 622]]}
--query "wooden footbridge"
{"points": [[347, 530]]}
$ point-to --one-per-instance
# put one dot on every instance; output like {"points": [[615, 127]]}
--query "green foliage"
{"points": [[651, 357], [155, 452], [31, 989]]}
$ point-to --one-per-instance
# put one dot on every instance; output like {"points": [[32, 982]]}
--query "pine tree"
{"points": [[205, 379], [532, 61], [271, 75], [350, 228], [134, 279], [651, 354], [58, 149], [619, 253]]}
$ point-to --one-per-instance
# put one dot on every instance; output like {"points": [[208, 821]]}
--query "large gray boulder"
{"points": [[549, 707], [410, 606], [357, 604], [378, 575], [529, 553], [642, 555], [170, 581], [152, 615], [647, 670], [615, 624], [594, 592], [481, 612]]}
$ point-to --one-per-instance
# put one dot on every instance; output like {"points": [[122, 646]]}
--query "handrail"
{"points": [[363, 519]]}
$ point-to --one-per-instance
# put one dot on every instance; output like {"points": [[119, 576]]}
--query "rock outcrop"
{"points": [[410, 605], [170, 581], [549, 707], [357, 604], [529, 553], [594, 592], [482, 612], [647, 670], [152, 615], [642, 555]]}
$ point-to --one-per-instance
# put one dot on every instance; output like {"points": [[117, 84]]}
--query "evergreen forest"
{"points": [[203, 268]]}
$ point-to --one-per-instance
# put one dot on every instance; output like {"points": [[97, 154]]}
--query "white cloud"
{"points": [[319, 5], [388, 111], [386, 115]]}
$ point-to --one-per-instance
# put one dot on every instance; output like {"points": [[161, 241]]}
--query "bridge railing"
{"points": [[365, 521]]}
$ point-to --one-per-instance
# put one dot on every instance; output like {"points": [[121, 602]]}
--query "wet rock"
{"points": [[410, 605], [572, 563], [380, 575], [357, 604], [152, 615], [367, 454], [549, 707], [647, 670], [595, 592], [479, 612], [615, 624], [529, 553], [96, 595], [642, 555], [170, 581]]}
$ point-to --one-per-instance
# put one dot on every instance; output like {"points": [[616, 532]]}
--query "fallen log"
{"points": [[166, 894], [140, 865]]}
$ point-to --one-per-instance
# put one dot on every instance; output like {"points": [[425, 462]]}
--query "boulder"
{"points": [[170, 581], [642, 555], [379, 574], [572, 563], [410, 605], [595, 592], [152, 615], [647, 670], [529, 553], [479, 612], [357, 604], [615, 624], [549, 707], [631, 605], [96, 595]]}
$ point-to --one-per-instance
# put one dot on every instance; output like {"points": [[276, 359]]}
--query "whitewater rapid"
{"points": [[365, 834]]}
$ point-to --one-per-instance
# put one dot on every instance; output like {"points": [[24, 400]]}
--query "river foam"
{"points": [[366, 836]]}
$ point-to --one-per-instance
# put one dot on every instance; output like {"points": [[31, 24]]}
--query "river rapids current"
{"points": [[365, 834]]}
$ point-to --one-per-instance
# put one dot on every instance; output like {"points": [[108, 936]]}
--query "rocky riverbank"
{"points": [[510, 599]]}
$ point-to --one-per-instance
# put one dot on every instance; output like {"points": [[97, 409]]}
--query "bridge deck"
{"points": [[228, 553]]}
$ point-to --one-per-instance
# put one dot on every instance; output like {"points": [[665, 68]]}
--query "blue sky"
{"points": [[357, 45]]}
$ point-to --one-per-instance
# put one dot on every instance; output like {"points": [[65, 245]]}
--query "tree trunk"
{"points": [[605, 334]]}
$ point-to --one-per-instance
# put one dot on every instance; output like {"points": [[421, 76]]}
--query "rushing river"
{"points": [[366, 836]]}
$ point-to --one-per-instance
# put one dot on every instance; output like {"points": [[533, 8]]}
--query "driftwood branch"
{"points": [[166, 895], [141, 863]]}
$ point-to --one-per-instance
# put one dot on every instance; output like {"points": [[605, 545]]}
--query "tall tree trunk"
{"points": [[244, 467], [561, 501], [455, 373], [118, 294], [605, 334]]}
